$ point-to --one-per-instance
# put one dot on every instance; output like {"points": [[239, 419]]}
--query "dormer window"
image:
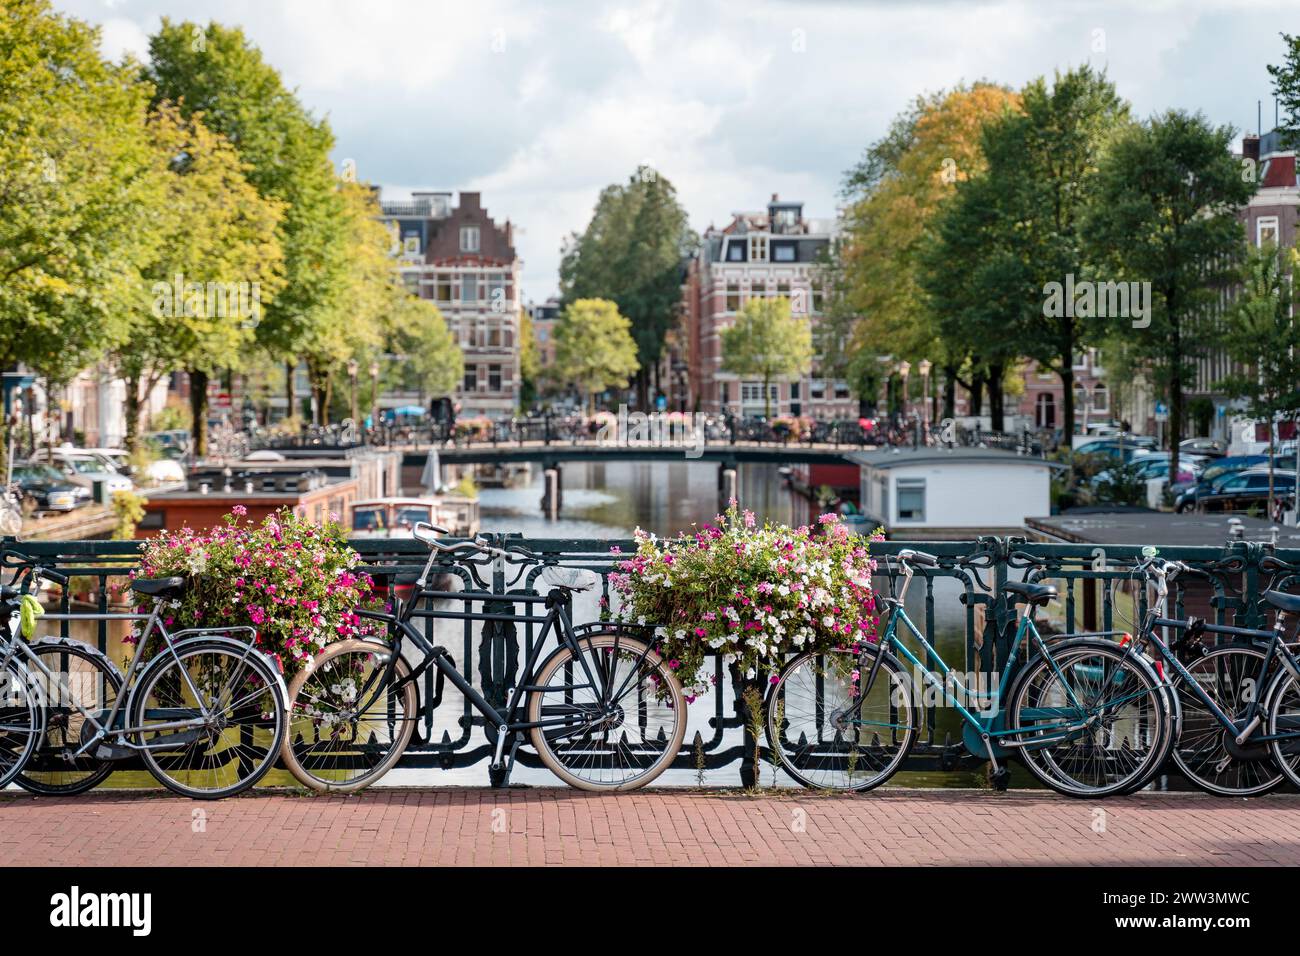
{"points": [[758, 248], [469, 240], [783, 252], [735, 252], [411, 246]]}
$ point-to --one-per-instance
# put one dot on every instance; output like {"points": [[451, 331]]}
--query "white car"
{"points": [[83, 468], [164, 469]]}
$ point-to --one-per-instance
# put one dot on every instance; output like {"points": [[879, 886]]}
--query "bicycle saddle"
{"points": [[1038, 594], [1283, 601], [571, 579], [157, 587]]}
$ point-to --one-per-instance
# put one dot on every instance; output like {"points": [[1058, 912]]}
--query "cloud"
{"points": [[541, 106]]}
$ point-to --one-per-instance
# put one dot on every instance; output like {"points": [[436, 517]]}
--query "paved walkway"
{"points": [[703, 828]]}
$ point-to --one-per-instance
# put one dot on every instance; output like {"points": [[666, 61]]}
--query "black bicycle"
{"points": [[603, 710]]}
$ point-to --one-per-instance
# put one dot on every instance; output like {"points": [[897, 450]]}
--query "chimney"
{"points": [[775, 198], [1250, 147], [470, 202]]}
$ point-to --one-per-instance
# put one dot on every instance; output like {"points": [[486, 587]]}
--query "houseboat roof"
{"points": [[1158, 528], [885, 458]]}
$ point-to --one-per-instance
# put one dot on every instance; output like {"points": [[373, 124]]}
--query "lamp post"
{"points": [[904, 368], [352, 382], [925, 366], [374, 394]]}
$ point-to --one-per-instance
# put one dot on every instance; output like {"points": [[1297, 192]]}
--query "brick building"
{"points": [[457, 257], [767, 254]]}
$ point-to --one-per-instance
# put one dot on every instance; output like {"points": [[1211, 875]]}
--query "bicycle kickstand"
{"points": [[502, 764], [1000, 776]]}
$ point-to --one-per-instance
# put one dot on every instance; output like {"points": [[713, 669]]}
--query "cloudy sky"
{"points": [[539, 105]]}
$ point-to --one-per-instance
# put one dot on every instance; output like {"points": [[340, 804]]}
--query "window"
{"points": [[469, 239], [911, 499], [841, 390], [469, 288], [794, 391], [735, 251], [726, 393], [733, 296], [1100, 398], [758, 248], [471, 378], [751, 398], [1266, 230], [411, 246], [783, 252], [494, 378], [816, 390], [442, 287], [783, 289], [498, 295], [493, 336], [758, 289]]}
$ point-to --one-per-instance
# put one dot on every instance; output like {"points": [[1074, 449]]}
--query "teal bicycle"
{"points": [[1087, 716]]}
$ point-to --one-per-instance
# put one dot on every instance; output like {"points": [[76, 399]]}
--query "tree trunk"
{"points": [[133, 413], [977, 394], [289, 410], [950, 391], [767, 398], [1067, 402], [1176, 390], [199, 411], [996, 420]]}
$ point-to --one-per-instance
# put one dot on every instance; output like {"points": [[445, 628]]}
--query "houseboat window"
{"points": [[407, 517], [367, 519], [911, 499]]}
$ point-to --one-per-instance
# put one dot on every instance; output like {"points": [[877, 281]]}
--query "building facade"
{"points": [[773, 253], [457, 257]]}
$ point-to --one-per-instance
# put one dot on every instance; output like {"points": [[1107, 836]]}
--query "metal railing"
{"points": [[959, 605]]}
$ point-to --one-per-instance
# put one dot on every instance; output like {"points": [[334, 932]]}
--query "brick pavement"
{"points": [[702, 828]]}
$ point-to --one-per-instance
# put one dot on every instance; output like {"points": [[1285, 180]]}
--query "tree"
{"points": [[215, 71], [76, 197], [216, 266], [1286, 87], [1165, 213], [767, 341], [1264, 337], [631, 253], [594, 348], [1038, 185], [529, 360], [431, 361], [895, 191]]}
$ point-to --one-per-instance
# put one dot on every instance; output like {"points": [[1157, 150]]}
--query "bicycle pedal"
{"points": [[1001, 779]]}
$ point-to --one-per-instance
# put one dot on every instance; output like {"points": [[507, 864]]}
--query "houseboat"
{"points": [[396, 517]]}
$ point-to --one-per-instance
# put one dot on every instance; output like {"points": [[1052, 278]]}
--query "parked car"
{"points": [[47, 487], [82, 468], [164, 469], [1187, 493], [1118, 449], [1213, 447], [1247, 491], [1148, 467]]}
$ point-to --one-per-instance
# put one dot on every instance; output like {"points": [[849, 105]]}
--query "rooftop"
{"points": [[1159, 528], [886, 458]]}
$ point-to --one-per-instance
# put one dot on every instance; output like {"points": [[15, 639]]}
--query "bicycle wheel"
{"points": [[828, 737], [1227, 675], [81, 679], [21, 717], [627, 742], [346, 727], [1092, 718], [1284, 718], [242, 738]]}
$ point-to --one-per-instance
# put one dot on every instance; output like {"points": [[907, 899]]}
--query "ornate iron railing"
{"points": [[959, 606]]}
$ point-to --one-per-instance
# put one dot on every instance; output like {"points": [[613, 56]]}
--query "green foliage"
{"points": [[594, 348], [429, 358], [1166, 212], [631, 253], [767, 341], [1286, 87], [128, 509]]}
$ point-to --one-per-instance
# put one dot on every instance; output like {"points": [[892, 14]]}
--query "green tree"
{"points": [[216, 71], [429, 359], [1286, 87], [631, 253], [1039, 182], [1165, 212], [877, 302], [594, 348], [76, 195], [218, 236], [1263, 336], [529, 360], [767, 341]]}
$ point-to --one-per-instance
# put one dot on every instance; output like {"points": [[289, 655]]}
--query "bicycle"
{"points": [[1086, 716], [206, 713], [1232, 740], [354, 707]]}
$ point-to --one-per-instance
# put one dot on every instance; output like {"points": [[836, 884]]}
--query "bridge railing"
{"points": [[959, 606]]}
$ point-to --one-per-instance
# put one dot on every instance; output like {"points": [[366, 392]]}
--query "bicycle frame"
{"points": [[16, 646]]}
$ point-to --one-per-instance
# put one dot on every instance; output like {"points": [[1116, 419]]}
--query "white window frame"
{"points": [[411, 246], [1264, 222], [470, 239], [758, 248], [909, 484]]}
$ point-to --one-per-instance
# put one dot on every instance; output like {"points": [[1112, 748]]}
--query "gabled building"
{"points": [[772, 253], [457, 257]]}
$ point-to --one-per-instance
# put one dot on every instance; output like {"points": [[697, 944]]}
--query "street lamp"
{"points": [[925, 366], [374, 394], [904, 368], [352, 381]]}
